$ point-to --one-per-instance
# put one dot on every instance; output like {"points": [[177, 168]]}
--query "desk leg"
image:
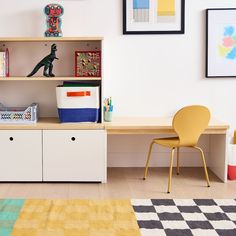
{"points": [[218, 161]]}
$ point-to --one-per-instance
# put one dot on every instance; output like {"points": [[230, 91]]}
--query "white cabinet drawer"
{"points": [[74, 155], [21, 155]]}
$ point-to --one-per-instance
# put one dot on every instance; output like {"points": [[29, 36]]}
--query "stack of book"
{"points": [[4, 63]]}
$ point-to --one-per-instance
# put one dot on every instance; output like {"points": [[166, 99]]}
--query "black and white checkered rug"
{"points": [[185, 217]]}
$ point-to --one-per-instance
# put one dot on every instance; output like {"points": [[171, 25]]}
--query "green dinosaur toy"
{"points": [[47, 63]]}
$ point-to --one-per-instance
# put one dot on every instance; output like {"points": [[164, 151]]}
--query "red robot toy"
{"points": [[53, 13]]}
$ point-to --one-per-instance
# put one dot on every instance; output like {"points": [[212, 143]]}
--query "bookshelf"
{"points": [[26, 52]]}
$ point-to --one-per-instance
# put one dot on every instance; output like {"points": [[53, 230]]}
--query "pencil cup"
{"points": [[108, 116]]}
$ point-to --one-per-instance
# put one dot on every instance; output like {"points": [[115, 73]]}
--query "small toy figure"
{"points": [[47, 63], [53, 13]]}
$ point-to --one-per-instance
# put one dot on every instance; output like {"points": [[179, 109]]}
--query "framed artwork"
{"points": [[88, 64], [221, 42], [153, 16]]}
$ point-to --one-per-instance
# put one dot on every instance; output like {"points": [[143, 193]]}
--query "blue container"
{"points": [[79, 115]]}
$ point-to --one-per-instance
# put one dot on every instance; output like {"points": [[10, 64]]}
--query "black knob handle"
{"points": [[73, 138], [11, 138]]}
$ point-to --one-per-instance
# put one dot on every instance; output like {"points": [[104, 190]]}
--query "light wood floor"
{"points": [[128, 183]]}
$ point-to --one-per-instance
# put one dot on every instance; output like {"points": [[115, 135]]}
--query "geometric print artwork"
{"points": [[135, 217], [186, 217], [166, 8], [141, 9]]}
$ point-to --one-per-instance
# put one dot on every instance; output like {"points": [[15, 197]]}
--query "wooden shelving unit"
{"points": [[49, 150]]}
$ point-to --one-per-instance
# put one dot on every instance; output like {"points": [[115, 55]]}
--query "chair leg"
{"points": [[204, 165], [177, 160], [171, 166], [148, 159]]}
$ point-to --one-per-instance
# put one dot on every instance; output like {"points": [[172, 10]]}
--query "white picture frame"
{"points": [[221, 42]]}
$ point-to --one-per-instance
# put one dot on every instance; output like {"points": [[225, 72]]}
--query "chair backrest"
{"points": [[190, 122]]}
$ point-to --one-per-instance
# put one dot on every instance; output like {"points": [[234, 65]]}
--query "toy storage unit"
{"points": [[78, 104], [48, 150]]}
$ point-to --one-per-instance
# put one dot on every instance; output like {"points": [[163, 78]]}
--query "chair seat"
{"points": [[168, 142]]}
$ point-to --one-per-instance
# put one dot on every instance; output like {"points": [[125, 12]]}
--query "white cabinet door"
{"points": [[21, 155], [74, 155]]}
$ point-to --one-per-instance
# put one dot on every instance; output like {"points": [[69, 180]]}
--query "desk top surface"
{"points": [[155, 125]]}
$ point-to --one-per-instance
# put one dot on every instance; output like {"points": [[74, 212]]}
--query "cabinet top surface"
{"points": [[47, 39], [51, 123]]}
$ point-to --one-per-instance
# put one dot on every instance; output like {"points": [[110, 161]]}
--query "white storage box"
{"points": [[78, 104]]}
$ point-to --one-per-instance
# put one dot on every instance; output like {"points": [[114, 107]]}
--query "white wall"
{"points": [[151, 75]]}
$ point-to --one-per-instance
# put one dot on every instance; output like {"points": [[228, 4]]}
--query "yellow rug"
{"points": [[76, 218]]}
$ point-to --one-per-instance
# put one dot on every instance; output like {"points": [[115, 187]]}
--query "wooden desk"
{"points": [[158, 125], [216, 130]]}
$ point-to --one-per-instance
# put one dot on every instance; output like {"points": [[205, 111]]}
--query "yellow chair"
{"points": [[189, 123]]}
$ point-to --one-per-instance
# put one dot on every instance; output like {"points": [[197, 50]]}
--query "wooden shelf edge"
{"points": [[155, 131], [49, 39], [49, 78], [52, 123]]}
